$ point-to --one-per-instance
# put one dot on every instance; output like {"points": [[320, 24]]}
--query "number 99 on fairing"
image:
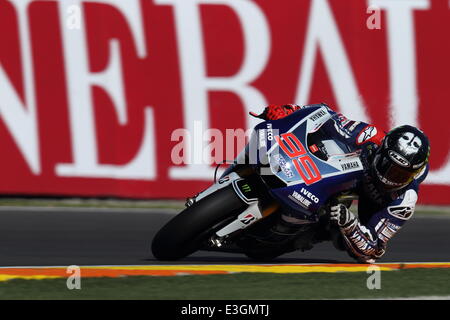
{"points": [[303, 163]]}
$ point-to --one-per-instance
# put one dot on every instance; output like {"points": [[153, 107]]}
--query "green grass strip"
{"points": [[401, 283]]}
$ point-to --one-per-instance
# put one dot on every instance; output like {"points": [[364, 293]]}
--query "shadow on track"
{"points": [[239, 260]]}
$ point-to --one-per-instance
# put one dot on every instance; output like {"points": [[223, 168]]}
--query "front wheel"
{"points": [[187, 231]]}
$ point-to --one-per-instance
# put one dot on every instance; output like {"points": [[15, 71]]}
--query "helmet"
{"points": [[401, 157]]}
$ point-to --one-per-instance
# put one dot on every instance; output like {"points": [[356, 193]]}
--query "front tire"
{"points": [[187, 231]]}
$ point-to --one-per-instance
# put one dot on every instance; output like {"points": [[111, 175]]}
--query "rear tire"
{"points": [[187, 231]]}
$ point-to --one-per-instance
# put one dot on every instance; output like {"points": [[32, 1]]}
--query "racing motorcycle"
{"points": [[290, 166]]}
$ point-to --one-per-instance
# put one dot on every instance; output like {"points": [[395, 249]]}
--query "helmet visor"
{"points": [[392, 175]]}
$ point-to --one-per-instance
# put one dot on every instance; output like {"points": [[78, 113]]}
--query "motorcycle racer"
{"points": [[395, 163]]}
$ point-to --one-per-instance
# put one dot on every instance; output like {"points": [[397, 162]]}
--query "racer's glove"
{"points": [[343, 217], [361, 243], [275, 112]]}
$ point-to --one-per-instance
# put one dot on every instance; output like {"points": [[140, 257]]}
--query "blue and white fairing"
{"points": [[307, 191]]}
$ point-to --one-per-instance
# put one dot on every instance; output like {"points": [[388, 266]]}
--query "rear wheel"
{"points": [[187, 231]]}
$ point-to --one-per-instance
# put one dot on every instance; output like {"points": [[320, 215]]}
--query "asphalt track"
{"points": [[77, 236]]}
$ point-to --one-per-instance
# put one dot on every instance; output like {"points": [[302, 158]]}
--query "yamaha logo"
{"points": [[398, 159]]}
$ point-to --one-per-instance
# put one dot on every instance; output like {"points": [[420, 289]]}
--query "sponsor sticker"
{"points": [[283, 165], [401, 212], [399, 159], [351, 165], [316, 116], [269, 132], [224, 179], [262, 138], [313, 148], [299, 199], [354, 125], [248, 218], [309, 195], [366, 134], [388, 232], [246, 188]]}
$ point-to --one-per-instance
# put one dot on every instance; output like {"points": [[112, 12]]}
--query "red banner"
{"points": [[92, 92]]}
